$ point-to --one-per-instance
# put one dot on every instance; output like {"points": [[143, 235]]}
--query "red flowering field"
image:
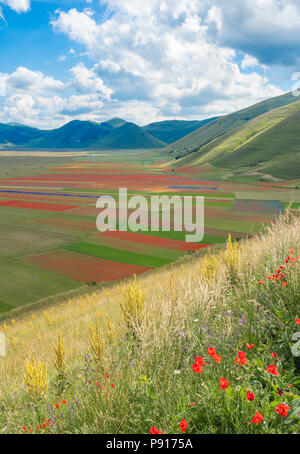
{"points": [[84, 268]]}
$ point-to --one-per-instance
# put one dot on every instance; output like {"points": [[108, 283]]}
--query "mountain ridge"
{"points": [[115, 133]]}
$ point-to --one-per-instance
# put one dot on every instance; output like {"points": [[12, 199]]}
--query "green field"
{"points": [[118, 255], [22, 283]]}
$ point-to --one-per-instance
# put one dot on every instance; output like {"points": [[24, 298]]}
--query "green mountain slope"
{"points": [[271, 137], [173, 130], [127, 136], [17, 134], [267, 146], [218, 128], [76, 134]]}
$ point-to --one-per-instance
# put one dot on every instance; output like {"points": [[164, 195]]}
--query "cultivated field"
{"points": [[49, 243]]}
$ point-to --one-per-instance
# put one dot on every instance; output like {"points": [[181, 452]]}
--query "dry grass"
{"points": [[172, 296]]}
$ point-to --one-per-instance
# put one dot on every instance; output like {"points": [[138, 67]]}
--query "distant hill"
{"points": [[112, 134], [17, 134], [223, 125], [173, 130]]}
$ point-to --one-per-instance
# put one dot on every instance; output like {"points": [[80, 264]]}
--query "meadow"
{"points": [[216, 330], [49, 243]]}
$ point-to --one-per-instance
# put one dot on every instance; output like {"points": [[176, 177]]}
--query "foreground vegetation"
{"points": [[203, 347]]}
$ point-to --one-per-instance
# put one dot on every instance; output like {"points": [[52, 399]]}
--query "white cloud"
{"points": [[249, 62], [20, 6], [265, 29], [32, 98], [161, 52], [87, 81], [24, 80], [157, 59]]}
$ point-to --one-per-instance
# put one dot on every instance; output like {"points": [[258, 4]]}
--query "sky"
{"points": [[143, 60]]}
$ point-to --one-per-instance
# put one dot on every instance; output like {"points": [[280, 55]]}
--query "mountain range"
{"points": [[263, 139], [113, 134]]}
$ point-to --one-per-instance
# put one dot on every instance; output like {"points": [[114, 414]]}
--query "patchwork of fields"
{"points": [[49, 243]]}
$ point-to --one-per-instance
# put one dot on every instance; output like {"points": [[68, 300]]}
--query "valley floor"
{"points": [[49, 243]]}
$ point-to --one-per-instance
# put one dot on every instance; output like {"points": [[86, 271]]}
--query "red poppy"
{"points": [[217, 358], [279, 392], [224, 383], [249, 346], [272, 369], [211, 351], [241, 358], [38, 427], [283, 284], [257, 418], [199, 360], [292, 251], [107, 375], [198, 365], [183, 425], [24, 428], [250, 396], [57, 405], [274, 355], [113, 385], [197, 368], [154, 430], [98, 383], [192, 404], [64, 402], [297, 321], [260, 282], [282, 410]]}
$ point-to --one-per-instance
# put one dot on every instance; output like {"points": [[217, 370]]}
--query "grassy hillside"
{"points": [[128, 136], [173, 130], [124, 352], [273, 135], [17, 134], [219, 128]]}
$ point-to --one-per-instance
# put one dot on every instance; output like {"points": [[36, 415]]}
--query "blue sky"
{"points": [[144, 61]]}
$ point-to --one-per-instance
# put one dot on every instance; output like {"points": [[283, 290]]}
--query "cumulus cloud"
{"points": [[152, 60], [265, 29], [32, 98], [86, 80], [249, 62], [24, 79], [166, 53], [20, 6]]}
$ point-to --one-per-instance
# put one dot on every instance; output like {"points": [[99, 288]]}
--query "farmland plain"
{"points": [[49, 243]]}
